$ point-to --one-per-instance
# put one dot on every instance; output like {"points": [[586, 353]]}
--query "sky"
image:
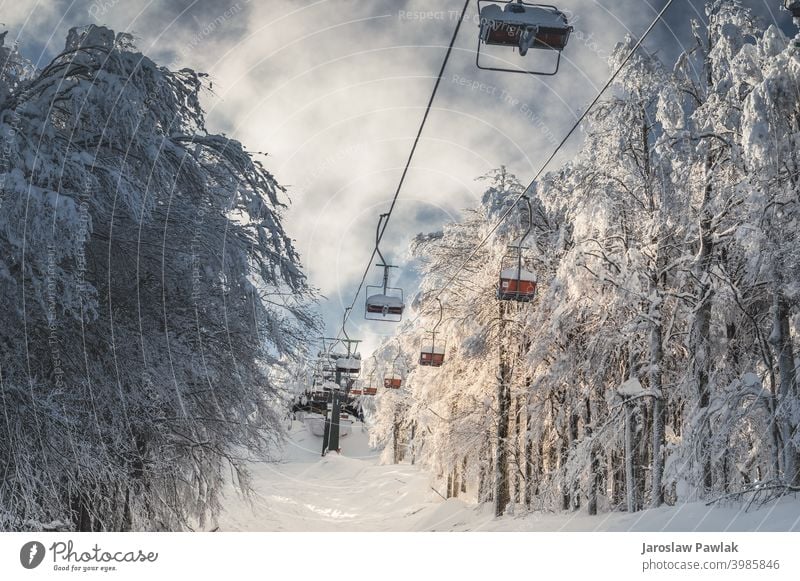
{"points": [[333, 92]]}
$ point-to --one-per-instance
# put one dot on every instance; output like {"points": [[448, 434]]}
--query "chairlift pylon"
{"points": [[432, 355], [523, 26], [383, 303], [517, 283]]}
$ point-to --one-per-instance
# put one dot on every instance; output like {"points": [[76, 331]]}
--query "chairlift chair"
{"points": [[382, 306], [523, 26], [349, 363], [369, 386], [394, 379], [384, 303], [516, 282], [432, 354]]}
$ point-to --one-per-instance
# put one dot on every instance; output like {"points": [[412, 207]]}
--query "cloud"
{"points": [[334, 91]]}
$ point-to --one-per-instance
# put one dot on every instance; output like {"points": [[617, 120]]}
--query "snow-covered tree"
{"points": [[148, 289], [658, 363]]}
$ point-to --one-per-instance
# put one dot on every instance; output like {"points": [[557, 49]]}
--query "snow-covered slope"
{"points": [[352, 492]]}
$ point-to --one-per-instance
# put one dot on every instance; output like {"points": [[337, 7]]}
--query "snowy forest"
{"points": [[148, 290], [658, 363], [160, 332]]}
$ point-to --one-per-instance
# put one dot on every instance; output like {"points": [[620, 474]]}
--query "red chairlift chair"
{"points": [[432, 355], [394, 379], [516, 282], [369, 386]]}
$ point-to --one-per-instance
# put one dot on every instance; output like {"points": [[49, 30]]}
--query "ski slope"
{"points": [[348, 492], [353, 492]]}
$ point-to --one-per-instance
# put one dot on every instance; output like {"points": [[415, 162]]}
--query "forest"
{"points": [[158, 324], [658, 362]]}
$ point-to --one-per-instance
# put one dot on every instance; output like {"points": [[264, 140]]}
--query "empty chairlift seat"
{"points": [[516, 285], [392, 381], [329, 385], [431, 356], [383, 305], [525, 26], [384, 302], [348, 365]]}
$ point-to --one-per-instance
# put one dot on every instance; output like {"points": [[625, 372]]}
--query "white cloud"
{"points": [[334, 90]]}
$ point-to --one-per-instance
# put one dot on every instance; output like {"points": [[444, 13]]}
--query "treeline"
{"points": [[658, 361]]}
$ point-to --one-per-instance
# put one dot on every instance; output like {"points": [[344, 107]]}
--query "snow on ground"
{"points": [[353, 492]]}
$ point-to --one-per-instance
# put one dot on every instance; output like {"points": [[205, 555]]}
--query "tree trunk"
{"points": [[529, 471], [484, 472], [594, 460], [413, 443], [630, 453], [700, 331], [659, 412], [81, 517], [617, 467], [502, 493], [643, 452], [563, 454], [396, 439], [574, 486], [781, 341], [518, 447]]}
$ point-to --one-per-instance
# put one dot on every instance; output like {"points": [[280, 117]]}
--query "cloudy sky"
{"points": [[333, 91]]}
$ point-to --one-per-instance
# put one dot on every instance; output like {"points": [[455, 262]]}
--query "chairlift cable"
{"points": [[408, 162], [558, 148], [525, 193]]}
